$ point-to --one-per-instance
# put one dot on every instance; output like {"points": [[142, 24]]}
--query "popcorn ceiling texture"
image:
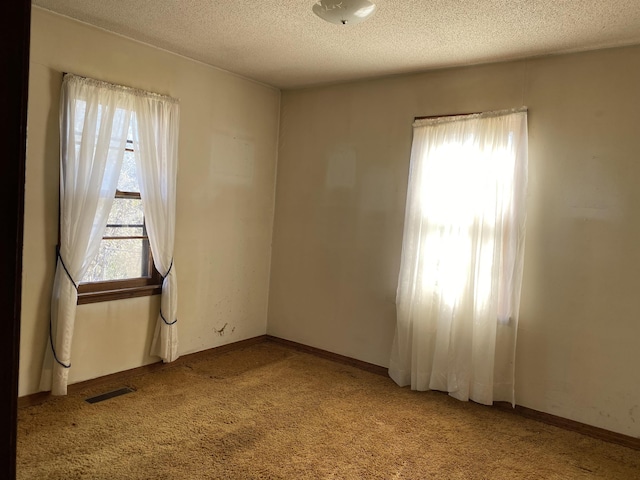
{"points": [[282, 43]]}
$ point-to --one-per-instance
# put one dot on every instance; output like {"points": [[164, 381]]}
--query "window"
{"points": [[123, 267], [96, 119], [462, 256], [466, 192]]}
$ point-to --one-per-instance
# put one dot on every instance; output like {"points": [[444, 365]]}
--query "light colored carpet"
{"points": [[269, 412]]}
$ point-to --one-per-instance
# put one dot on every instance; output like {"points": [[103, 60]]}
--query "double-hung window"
{"points": [[123, 267], [118, 148], [462, 256]]}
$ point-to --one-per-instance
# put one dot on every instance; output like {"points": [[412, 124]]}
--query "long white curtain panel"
{"points": [[95, 118], [155, 141], [462, 256], [94, 121]]}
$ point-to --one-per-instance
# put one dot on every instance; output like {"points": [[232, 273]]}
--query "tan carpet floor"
{"points": [[270, 412]]}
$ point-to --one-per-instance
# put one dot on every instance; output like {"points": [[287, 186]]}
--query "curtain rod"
{"points": [[433, 117], [125, 87]]}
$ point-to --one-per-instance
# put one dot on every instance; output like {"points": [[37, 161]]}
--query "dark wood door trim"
{"points": [[15, 27]]}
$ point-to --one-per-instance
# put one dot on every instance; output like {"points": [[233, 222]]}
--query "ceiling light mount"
{"points": [[344, 12]]}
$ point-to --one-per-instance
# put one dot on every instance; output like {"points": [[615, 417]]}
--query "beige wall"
{"points": [[342, 178], [228, 142]]}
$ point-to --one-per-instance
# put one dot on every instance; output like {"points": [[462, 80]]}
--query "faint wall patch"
{"points": [[377, 193], [232, 158], [593, 191], [341, 167]]}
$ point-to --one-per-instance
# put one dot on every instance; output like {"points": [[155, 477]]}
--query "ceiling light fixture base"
{"points": [[344, 12]]}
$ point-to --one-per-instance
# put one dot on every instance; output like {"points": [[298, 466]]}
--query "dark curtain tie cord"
{"points": [[66, 269], [55, 355], [165, 320], [161, 314], [168, 271]]}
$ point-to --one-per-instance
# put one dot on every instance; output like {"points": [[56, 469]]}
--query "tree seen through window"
{"points": [[124, 249]]}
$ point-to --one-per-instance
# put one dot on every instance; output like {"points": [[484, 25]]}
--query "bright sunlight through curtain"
{"points": [[94, 122], [462, 255]]}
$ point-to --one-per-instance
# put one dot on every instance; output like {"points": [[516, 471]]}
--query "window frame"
{"points": [[108, 290]]}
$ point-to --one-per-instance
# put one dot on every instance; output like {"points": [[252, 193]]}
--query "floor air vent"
{"points": [[108, 395]]}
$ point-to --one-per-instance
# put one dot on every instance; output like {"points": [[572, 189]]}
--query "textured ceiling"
{"points": [[282, 43]]}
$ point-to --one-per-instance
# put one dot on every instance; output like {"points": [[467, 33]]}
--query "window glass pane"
{"points": [[126, 218], [123, 258], [128, 180], [119, 259]]}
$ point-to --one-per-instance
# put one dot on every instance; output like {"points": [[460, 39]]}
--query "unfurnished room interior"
{"points": [[333, 239]]}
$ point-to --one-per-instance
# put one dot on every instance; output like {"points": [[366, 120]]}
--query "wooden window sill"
{"points": [[121, 293]]}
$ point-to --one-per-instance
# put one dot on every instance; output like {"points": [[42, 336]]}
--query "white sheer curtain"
{"points": [[94, 120], [462, 256], [156, 150]]}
